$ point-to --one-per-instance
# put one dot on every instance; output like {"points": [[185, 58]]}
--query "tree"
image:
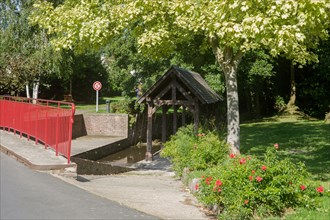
{"points": [[230, 28], [255, 77], [313, 83], [26, 54]]}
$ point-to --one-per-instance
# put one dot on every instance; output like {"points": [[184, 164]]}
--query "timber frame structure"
{"points": [[177, 87]]}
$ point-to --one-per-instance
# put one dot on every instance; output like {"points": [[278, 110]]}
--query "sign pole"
{"points": [[97, 86], [97, 100]]}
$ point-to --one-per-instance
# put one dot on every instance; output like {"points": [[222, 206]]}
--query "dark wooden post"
{"points": [[183, 115], [148, 156], [164, 125], [196, 117], [175, 118]]}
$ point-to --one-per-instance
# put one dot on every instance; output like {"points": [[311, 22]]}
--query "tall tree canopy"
{"points": [[25, 52], [230, 28]]}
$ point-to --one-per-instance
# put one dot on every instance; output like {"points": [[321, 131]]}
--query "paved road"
{"points": [[27, 194]]}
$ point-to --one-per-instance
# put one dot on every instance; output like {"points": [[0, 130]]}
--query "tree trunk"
{"points": [[292, 101], [229, 62], [27, 89], [233, 129], [35, 90], [257, 104]]}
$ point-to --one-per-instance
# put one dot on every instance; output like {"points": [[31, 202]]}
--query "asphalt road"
{"points": [[28, 194]]}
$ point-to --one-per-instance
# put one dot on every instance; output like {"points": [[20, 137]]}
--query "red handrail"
{"points": [[48, 122]]}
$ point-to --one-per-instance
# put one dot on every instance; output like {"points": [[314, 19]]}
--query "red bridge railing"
{"points": [[48, 122]]}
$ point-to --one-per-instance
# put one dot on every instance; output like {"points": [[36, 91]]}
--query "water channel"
{"points": [[129, 156]]}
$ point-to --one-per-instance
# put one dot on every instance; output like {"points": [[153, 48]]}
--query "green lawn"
{"points": [[88, 107], [301, 140]]}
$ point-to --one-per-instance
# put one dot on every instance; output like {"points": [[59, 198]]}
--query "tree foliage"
{"points": [[230, 27], [26, 54], [314, 84]]}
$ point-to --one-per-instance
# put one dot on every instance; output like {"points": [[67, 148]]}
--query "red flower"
{"points": [[232, 155], [219, 190], [207, 180], [251, 178], [302, 187], [258, 178], [263, 167], [203, 177], [242, 161], [253, 171], [246, 201], [320, 189], [196, 187], [276, 146], [218, 183]]}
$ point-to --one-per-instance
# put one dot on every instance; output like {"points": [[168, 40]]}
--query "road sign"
{"points": [[97, 85]]}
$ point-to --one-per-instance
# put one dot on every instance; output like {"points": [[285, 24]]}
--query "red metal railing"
{"points": [[48, 122]]}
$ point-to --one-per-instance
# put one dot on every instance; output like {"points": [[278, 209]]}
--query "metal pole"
{"points": [[97, 100]]}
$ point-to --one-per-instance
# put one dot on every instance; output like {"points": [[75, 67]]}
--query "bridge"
{"points": [[44, 121]]}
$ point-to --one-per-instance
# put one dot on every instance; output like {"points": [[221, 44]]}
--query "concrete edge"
{"points": [[32, 166]]}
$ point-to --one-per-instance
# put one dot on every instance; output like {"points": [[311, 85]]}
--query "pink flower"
{"points": [[232, 155], [218, 183], [263, 167], [242, 161], [276, 146], [196, 187], [258, 178], [302, 187], [320, 189]]}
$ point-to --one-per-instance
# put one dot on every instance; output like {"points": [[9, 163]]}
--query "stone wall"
{"points": [[100, 124]]}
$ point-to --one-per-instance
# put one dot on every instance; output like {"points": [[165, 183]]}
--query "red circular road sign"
{"points": [[97, 85]]}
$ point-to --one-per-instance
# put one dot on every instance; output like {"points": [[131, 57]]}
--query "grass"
{"points": [[300, 140], [87, 107], [307, 141]]}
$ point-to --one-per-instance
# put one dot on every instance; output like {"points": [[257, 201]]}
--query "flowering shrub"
{"points": [[195, 152], [246, 187]]}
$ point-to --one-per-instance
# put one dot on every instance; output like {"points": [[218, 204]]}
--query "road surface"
{"points": [[28, 194]]}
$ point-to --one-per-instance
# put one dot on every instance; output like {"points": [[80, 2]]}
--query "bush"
{"points": [[280, 104], [195, 152], [124, 106], [245, 187]]}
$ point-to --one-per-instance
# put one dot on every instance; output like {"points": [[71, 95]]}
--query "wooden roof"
{"points": [[188, 81]]}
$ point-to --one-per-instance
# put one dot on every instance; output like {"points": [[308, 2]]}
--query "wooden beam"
{"points": [[183, 91], [163, 92], [175, 118], [183, 115], [148, 156], [196, 117], [171, 102], [164, 125]]}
